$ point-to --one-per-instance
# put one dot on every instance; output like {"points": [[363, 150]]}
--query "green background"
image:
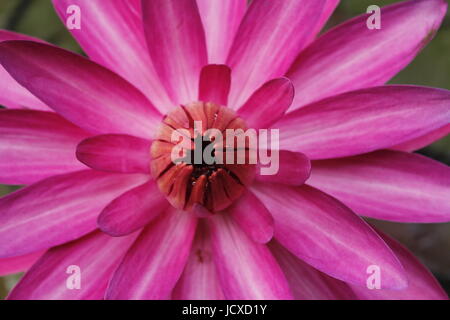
{"points": [[430, 242]]}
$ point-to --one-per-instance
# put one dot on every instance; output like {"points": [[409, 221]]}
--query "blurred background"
{"points": [[429, 242]]}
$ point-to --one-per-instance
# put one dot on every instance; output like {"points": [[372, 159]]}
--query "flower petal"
{"points": [[111, 34], [351, 56], [132, 210], [83, 92], [35, 145], [58, 209], [423, 141], [293, 169], [247, 270], [364, 120], [153, 265], [221, 20], [19, 264], [96, 255], [328, 10], [327, 235], [253, 218], [388, 185], [176, 42], [12, 94], [268, 40], [268, 104], [215, 81], [115, 153], [199, 280]]}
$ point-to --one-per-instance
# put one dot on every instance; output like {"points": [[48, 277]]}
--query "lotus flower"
{"points": [[88, 136]]}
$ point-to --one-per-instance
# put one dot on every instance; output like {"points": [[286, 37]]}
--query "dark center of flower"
{"points": [[189, 157]]}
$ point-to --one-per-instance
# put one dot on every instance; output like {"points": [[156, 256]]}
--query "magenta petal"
{"points": [[154, 263], [351, 56], [327, 235], [58, 209], [388, 185], [215, 81], [96, 255], [268, 104], [116, 153], [221, 20], [363, 121], [12, 94], [176, 42], [422, 284], [247, 270], [293, 169], [268, 40], [35, 145], [132, 210], [199, 280], [253, 218], [423, 141], [111, 34], [83, 92], [328, 10], [18, 264]]}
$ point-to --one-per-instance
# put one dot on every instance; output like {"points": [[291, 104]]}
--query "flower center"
{"points": [[194, 160]]}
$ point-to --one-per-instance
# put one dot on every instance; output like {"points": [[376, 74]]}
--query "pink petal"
{"points": [[115, 153], [388, 185], [293, 169], [12, 94], [85, 93], [35, 145], [351, 56], [19, 264], [215, 81], [176, 42], [328, 10], [269, 38], [268, 104], [221, 20], [96, 255], [199, 280], [247, 270], [306, 282], [253, 218], [111, 34], [423, 141], [363, 121], [153, 265], [327, 235], [132, 210], [422, 284], [58, 209]]}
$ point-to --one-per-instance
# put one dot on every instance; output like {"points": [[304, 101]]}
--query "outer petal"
{"points": [[12, 94], [215, 81], [389, 185], [422, 284], [221, 20], [85, 93], [19, 264], [365, 120], [268, 104], [96, 255], [327, 235], [116, 153], [112, 35], [247, 270], [153, 265], [132, 210], [199, 280], [36, 145], [269, 38], [423, 141], [293, 169], [176, 42], [328, 10], [57, 210], [351, 56]]}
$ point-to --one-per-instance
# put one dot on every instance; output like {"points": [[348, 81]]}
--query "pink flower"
{"points": [[79, 132]]}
